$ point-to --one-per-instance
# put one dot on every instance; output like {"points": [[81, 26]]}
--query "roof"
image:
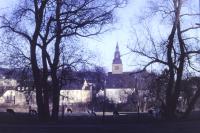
{"points": [[77, 79], [119, 81], [117, 61], [128, 80]]}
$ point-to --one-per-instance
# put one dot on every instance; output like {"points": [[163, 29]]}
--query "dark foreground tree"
{"points": [[43, 25], [190, 94], [175, 53]]}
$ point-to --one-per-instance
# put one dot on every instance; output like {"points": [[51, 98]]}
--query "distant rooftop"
{"points": [[127, 80]]}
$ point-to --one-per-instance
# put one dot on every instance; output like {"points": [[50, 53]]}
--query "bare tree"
{"points": [[13, 26], [44, 25], [175, 53], [67, 25]]}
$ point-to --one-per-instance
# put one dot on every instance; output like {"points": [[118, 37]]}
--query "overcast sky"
{"points": [[122, 32], [104, 45]]}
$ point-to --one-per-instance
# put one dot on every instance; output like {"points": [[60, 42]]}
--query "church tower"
{"points": [[117, 66]]}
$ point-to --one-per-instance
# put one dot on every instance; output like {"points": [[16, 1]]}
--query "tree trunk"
{"points": [[35, 69], [168, 112], [56, 96], [173, 89], [54, 66], [56, 99], [39, 101], [37, 83], [180, 68], [45, 84]]}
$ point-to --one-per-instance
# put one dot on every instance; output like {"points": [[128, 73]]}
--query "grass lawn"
{"points": [[81, 122]]}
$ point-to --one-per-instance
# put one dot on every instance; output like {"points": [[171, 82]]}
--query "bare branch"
{"points": [[191, 28]]}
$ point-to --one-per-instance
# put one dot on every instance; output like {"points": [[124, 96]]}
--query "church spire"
{"points": [[117, 59], [117, 67]]}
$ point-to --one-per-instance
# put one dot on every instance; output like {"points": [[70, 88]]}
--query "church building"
{"points": [[119, 84], [122, 85]]}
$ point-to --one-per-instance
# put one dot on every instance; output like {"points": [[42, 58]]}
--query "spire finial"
{"points": [[117, 47]]}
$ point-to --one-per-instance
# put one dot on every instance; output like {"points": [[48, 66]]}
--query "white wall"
{"points": [[117, 95], [75, 96]]}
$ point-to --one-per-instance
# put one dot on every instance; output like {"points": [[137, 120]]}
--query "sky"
{"points": [[122, 33], [104, 45], [128, 21]]}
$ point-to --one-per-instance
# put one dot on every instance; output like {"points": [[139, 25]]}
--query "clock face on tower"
{"points": [[116, 67]]}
